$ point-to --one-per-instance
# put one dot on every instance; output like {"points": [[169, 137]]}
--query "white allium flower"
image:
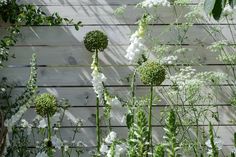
{"points": [[42, 154], [228, 10], [104, 149], [136, 47], [57, 143], [97, 80], [152, 3], [42, 123], [111, 137], [168, 60], [218, 143]]}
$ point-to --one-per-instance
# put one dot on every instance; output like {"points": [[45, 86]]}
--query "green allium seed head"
{"points": [[152, 73], [46, 105], [95, 41]]}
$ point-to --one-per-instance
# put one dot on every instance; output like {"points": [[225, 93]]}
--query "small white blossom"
{"points": [[111, 137], [168, 60], [228, 10], [57, 143], [136, 47], [42, 123], [104, 149], [218, 143], [97, 80], [119, 149], [42, 154], [3, 89], [152, 3], [66, 148], [234, 150], [26, 125]]}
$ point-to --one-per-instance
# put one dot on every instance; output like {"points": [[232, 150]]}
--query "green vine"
{"points": [[17, 15]]}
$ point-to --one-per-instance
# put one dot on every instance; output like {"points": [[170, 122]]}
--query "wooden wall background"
{"points": [[64, 63]]}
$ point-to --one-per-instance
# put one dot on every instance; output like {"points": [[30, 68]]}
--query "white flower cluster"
{"points": [[168, 60], [228, 58], [119, 148], [57, 143], [97, 80], [228, 10], [42, 154], [26, 125], [9, 123], [111, 137], [136, 47], [218, 143], [212, 77], [42, 122], [185, 78], [217, 46], [152, 3], [3, 50]]}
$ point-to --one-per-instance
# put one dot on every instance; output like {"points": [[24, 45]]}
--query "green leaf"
{"points": [[232, 3], [217, 10], [129, 119], [209, 5]]}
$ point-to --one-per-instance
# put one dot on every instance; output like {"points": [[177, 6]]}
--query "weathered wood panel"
{"points": [[81, 76], [118, 35], [114, 55]]}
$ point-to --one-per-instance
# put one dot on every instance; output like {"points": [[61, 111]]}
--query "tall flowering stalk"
{"points": [[46, 106], [96, 41], [151, 73]]}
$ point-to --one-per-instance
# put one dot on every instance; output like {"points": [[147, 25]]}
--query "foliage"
{"points": [[18, 15], [216, 7]]}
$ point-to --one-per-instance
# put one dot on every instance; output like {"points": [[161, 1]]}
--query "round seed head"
{"points": [[95, 41], [152, 73], [46, 105]]}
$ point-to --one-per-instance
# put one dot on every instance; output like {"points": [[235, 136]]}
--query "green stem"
{"points": [[97, 126], [50, 152], [150, 120], [97, 113]]}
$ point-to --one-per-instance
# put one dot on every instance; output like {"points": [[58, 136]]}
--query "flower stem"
{"points": [[150, 120], [49, 145], [97, 112], [97, 125]]}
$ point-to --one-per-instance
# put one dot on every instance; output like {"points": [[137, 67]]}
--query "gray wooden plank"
{"points": [[72, 76], [118, 35], [114, 55], [104, 15]]}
